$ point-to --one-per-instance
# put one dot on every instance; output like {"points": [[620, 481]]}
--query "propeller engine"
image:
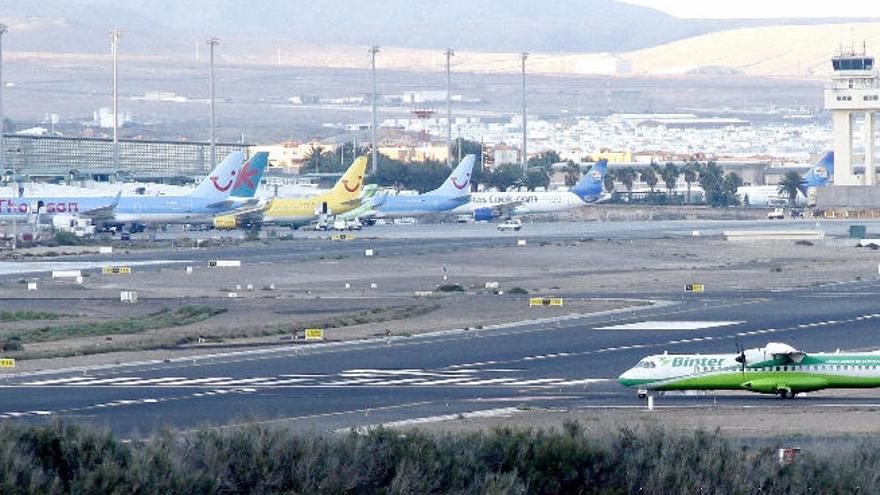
{"points": [[741, 356]]}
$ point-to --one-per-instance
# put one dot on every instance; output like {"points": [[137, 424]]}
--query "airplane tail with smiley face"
{"points": [[351, 184], [459, 181], [218, 185]]}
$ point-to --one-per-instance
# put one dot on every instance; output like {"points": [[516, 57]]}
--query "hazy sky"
{"points": [[752, 9]]}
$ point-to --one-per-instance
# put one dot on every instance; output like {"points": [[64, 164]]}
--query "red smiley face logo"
{"points": [[217, 186], [352, 189], [462, 186]]}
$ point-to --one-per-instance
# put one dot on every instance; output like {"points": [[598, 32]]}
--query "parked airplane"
{"points": [[230, 187], [344, 196], [774, 369], [818, 176], [489, 205], [452, 193], [211, 197], [369, 201]]}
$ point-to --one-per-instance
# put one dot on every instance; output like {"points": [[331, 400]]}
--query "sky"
{"points": [[755, 9]]}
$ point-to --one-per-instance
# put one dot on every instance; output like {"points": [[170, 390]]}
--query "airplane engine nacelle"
{"points": [[226, 222], [483, 214]]}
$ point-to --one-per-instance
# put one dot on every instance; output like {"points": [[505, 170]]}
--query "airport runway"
{"points": [[562, 360]]}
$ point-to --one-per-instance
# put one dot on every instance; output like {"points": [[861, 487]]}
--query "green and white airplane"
{"points": [[774, 369]]}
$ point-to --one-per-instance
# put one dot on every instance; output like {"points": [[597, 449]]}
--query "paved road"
{"points": [[563, 360]]}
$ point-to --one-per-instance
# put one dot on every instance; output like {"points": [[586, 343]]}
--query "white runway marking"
{"points": [[670, 325], [346, 378]]}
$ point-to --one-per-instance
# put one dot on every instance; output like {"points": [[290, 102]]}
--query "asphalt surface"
{"points": [[561, 360]]}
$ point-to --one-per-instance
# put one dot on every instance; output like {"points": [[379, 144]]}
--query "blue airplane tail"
{"points": [[218, 184], [248, 177], [590, 186], [458, 181], [820, 174]]}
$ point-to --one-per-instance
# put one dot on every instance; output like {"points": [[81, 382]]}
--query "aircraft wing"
{"points": [[228, 204], [105, 212], [785, 351], [505, 209]]}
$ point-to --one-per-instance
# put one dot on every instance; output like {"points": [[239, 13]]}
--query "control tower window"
{"points": [[859, 63]]}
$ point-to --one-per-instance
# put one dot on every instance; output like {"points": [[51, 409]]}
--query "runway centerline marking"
{"points": [[671, 325]]}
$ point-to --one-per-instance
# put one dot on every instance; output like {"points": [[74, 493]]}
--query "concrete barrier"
{"points": [[520, 242], [128, 296], [32, 286], [774, 235], [105, 250], [66, 273], [225, 263]]}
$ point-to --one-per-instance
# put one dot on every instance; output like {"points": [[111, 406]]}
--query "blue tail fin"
{"points": [[218, 184], [590, 186], [820, 174], [458, 181], [248, 178]]}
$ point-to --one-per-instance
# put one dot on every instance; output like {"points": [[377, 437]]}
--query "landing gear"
{"points": [[643, 394], [785, 393]]}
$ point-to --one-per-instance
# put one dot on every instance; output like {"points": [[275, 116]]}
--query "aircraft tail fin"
{"points": [[820, 174], [351, 183], [590, 186], [248, 177], [458, 181], [218, 184]]}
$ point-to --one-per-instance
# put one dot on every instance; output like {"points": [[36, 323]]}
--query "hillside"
{"points": [[777, 51]]}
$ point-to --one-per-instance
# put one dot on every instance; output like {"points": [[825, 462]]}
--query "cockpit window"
{"points": [[646, 364]]}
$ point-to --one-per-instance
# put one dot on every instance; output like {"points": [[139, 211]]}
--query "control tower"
{"points": [[854, 89]]}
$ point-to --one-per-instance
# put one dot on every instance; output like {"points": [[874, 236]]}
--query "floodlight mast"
{"points": [[213, 42], [114, 43], [449, 54], [525, 156], [374, 153]]}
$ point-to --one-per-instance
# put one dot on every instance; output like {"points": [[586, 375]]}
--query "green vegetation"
{"points": [[7, 316], [450, 288], [518, 290], [165, 318], [790, 185], [64, 459], [62, 238]]}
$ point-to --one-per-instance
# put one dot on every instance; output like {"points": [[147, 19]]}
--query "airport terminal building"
{"points": [[42, 158]]}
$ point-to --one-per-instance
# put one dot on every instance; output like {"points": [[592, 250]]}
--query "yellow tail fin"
{"points": [[352, 181]]}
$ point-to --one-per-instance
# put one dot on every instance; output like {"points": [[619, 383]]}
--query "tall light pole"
{"points": [[212, 42], [525, 159], [449, 55], [374, 154], [114, 41], [3, 30]]}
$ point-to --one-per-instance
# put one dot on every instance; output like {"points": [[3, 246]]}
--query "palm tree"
{"points": [[690, 171], [627, 176], [649, 177], [572, 173], [608, 181], [790, 185], [670, 174], [315, 154]]}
